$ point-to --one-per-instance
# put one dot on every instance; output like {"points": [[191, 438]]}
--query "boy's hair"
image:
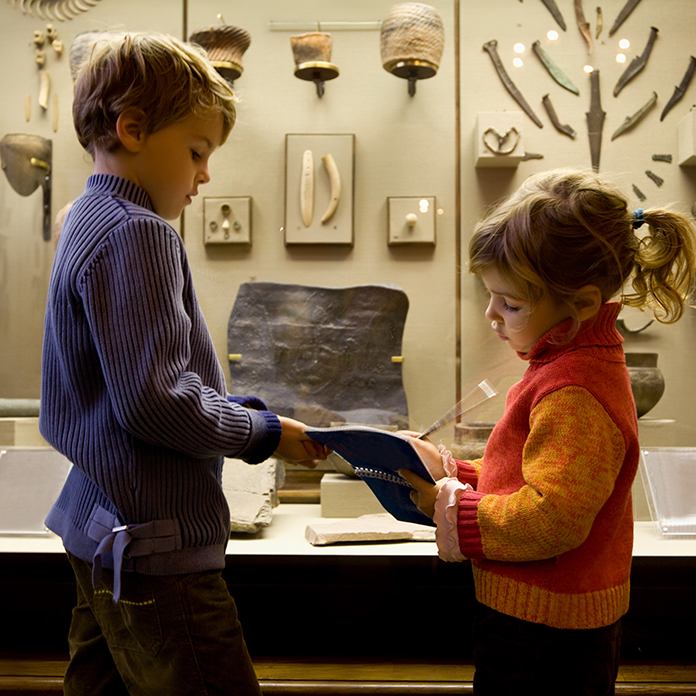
{"points": [[164, 78], [565, 229]]}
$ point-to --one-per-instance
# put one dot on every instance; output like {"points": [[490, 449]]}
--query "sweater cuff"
{"points": [[467, 473], [445, 518], [264, 437], [248, 402], [468, 528]]}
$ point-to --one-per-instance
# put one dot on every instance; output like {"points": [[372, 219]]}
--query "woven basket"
{"points": [[312, 47], [224, 44], [412, 33], [83, 44]]}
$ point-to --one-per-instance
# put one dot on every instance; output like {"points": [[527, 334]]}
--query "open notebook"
{"points": [[375, 456]]}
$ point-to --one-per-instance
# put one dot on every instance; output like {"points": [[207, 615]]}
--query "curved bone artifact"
{"points": [[335, 179], [312, 55], [491, 47], [26, 161], [568, 130], [583, 24], [632, 121], [61, 10], [307, 188], [553, 70], [623, 15], [680, 89], [553, 9], [637, 64], [225, 46], [411, 42]]}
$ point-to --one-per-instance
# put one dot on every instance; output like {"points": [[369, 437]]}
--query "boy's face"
{"points": [[513, 319], [173, 162]]}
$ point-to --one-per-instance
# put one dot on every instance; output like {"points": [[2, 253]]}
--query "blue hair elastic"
{"points": [[638, 218]]}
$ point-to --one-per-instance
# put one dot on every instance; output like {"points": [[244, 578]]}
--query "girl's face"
{"points": [[513, 319]]}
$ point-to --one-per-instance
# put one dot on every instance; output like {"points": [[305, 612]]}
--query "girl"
{"points": [[545, 515]]}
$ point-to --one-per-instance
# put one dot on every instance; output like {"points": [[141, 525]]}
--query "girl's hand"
{"points": [[428, 453], [424, 492], [297, 448]]}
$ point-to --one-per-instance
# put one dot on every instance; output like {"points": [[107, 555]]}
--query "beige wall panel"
{"points": [[404, 146], [624, 160], [25, 259]]}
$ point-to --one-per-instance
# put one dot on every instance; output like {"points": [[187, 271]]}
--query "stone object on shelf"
{"points": [[366, 528], [251, 491]]}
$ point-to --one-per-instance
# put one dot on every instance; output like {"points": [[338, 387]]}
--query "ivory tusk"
{"points": [[335, 179], [44, 88], [307, 188]]}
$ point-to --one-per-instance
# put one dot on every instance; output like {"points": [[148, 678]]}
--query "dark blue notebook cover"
{"points": [[376, 455]]}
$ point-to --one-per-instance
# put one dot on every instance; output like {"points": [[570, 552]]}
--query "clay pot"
{"points": [[647, 380], [470, 439]]}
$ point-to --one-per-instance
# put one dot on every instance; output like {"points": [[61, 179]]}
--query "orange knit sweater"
{"points": [[549, 527]]}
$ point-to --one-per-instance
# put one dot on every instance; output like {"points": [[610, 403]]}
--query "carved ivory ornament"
{"points": [[307, 187], [506, 142]]}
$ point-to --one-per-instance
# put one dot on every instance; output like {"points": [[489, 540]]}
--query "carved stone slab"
{"points": [[251, 491], [319, 354]]}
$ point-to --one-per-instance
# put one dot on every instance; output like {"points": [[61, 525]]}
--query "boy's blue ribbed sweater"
{"points": [[132, 391]]}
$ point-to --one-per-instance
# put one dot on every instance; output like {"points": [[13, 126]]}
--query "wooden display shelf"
{"points": [[30, 675]]}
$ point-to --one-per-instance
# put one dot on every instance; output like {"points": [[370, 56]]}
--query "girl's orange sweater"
{"points": [[549, 527]]}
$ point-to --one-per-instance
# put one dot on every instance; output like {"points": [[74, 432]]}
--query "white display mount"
{"points": [[309, 228], [227, 220], [411, 220]]}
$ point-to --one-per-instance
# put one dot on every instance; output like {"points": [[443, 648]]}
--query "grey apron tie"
{"points": [[127, 540]]}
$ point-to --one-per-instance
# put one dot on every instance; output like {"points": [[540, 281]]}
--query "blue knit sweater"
{"points": [[132, 391]]}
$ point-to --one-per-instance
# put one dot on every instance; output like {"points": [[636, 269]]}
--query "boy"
{"points": [[132, 391]]}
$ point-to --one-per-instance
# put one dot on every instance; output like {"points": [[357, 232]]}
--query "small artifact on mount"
{"points": [[312, 54], [555, 12], [411, 42], [636, 118], [638, 63], [566, 129], [651, 175], [641, 196], [600, 22], [506, 142], [26, 160], [595, 120], [225, 46], [622, 16], [583, 24], [553, 70], [491, 47], [532, 156], [662, 158], [680, 90]]}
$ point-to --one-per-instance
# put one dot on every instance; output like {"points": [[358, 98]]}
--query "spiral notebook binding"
{"points": [[366, 472]]}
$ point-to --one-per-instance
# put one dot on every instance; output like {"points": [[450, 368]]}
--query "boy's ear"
{"points": [[130, 128], [588, 300]]}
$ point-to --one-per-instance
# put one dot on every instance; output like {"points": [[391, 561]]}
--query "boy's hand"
{"points": [[424, 492], [297, 448]]}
